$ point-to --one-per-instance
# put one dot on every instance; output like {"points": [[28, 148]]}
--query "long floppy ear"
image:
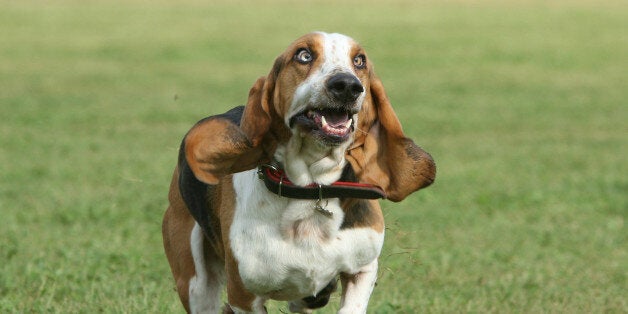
{"points": [[383, 155], [256, 119], [232, 142]]}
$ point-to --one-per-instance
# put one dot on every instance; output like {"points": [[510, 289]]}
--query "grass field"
{"points": [[524, 106]]}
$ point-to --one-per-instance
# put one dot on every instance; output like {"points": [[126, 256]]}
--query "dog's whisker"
{"points": [[361, 131]]}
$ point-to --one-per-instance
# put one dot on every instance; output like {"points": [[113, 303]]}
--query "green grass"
{"points": [[522, 105]]}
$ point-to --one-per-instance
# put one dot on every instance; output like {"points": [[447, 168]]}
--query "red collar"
{"points": [[277, 182]]}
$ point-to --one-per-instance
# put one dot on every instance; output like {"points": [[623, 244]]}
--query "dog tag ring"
{"points": [[319, 204]]}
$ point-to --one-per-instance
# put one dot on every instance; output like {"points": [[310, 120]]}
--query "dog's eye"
{"points": [[359, 61], [303, 56]]}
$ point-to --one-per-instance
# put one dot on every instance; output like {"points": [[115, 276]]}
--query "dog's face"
{"points": [[320, 86]]}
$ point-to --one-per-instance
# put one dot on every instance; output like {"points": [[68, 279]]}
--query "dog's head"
{"points": [[316, 87], [323, 87]]}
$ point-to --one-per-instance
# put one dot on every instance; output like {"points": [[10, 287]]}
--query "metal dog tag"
{"points": [[319, 208]]}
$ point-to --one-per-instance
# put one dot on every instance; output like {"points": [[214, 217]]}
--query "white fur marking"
{"points": [[306, 161], [204, 291]]}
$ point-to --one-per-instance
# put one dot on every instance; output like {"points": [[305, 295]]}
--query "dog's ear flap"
{"points": [[216, 146], [256, 117], [259, 111], [382, 155], [235, 141]]}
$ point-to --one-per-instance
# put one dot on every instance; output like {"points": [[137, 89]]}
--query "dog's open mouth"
{"points": [[333, 123], [330, 124]]}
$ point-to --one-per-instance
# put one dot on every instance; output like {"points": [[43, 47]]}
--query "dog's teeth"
{"points": [[348, 124], [323, 121]]}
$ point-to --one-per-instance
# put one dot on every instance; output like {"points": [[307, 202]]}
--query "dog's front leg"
{"points": [[357, 288]]}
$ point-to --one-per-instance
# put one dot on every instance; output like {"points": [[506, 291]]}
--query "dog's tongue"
{"points": [[335, 118], [335, 123]]}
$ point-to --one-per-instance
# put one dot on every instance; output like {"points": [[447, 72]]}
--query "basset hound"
{"points": [[278, 199]]}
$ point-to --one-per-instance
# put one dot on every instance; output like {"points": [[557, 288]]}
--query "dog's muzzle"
{"points": [[331, 121]]}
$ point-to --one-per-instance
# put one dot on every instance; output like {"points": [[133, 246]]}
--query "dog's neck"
{"points": [[308, 161]]}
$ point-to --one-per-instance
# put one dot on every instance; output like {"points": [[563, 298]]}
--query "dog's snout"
{"points": [[344, 87]]}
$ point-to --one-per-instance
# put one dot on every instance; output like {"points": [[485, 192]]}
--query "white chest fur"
{"points": [[286, 249]]}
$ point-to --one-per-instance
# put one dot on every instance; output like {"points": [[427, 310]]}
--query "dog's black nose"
{"points": [[344, 87]]}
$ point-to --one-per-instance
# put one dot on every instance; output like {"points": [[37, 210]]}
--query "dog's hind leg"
{"points": [[206, 286]]}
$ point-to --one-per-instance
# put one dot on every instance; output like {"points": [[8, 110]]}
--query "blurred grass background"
{"points": [[523, 105]]}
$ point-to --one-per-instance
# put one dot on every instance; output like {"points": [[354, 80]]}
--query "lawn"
{"points": [[523, 105]]}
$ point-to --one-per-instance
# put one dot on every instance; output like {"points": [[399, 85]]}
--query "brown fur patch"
{"points": [[176, 228]]}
